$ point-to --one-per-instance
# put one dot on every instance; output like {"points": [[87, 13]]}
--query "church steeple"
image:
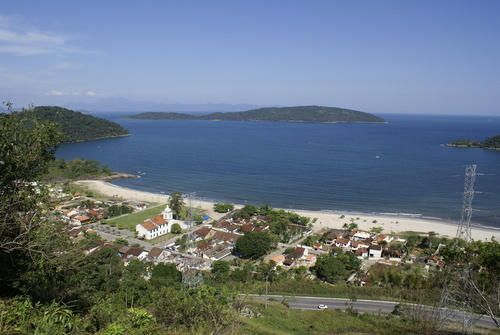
{"points": [[167, 214]]}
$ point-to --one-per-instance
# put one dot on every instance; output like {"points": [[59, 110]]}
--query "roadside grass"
{"points": [[129, 221], [278, 319], [293, 287]]}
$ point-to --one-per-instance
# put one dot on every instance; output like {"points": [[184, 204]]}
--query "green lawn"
{"points": [[129, 221]]}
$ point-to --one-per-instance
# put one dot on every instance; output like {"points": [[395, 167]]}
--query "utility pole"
{"points": [[191, 277], [449, 293]]}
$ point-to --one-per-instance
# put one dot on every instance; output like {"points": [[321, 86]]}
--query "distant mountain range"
{"points": [[112, 104], [289, 114]]}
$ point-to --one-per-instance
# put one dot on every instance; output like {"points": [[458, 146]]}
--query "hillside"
{"points": [[290, 114], [75, 126], [492, 142]]}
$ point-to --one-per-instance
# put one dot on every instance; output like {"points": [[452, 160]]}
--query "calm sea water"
{"points": [[398, 167]]}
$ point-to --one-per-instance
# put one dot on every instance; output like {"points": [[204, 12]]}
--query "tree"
{"points": [[176, 203], [165, 275], [220, 270], [26, 148], [176, 229], [254, 245], [330, 269]]}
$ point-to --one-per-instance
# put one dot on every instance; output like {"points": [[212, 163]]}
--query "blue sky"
{"points": [[439, 57]]}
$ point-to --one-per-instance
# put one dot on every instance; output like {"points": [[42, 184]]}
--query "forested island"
{"points": [[289, 114], [492, 142], [75, 126]]}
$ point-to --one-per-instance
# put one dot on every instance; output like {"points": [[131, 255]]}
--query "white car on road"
{"points": [[322, 306]]}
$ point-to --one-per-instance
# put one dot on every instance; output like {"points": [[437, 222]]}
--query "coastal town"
{"points": [[167, 238]]}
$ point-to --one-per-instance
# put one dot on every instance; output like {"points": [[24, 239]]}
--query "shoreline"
{"points": [[325, 219]]}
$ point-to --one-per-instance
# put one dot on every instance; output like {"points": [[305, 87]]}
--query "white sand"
{"points": [[393, 224], [110, 190], [325, 219]]}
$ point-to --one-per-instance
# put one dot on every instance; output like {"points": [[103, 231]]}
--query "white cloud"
{"points": [[55, 93], [18, 39], [64, 65]]}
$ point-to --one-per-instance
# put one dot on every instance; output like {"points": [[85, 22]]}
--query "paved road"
{"points": [[362, 306]]}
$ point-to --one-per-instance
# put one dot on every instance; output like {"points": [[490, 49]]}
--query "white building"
{"points": [[158, 225], [361, 235]]}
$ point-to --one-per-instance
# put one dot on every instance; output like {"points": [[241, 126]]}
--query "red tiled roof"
{"points": [[82, 218], [134, 251], [203, 232], [158, 219], [247, 227], [223, 236], [149, 225], [155, 252]]}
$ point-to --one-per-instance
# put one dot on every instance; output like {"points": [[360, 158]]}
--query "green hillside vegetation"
{"points": [[60, 170], [75, 126], [290, 114], [489, 143]]}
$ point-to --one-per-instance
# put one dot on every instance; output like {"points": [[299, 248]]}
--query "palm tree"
{"points": [[176, 202]]}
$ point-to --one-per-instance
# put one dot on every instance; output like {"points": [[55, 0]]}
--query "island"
{"points": [[75, 126], [320, 114], [492, 142]]}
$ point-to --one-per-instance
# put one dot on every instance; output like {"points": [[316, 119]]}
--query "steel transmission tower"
{"points": [[454, 293], [191, 276]]}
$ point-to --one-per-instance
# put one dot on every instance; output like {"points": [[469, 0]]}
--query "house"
{"points": [[203, 233], [310, 260], [157, 255], [296, 255], [158, 225], [278, 260], [359, 244], [384, 239], [220, 237], [361, 235], [246, 228], [362, 252], [80, 220], [342, 242], [133, 252], [375, 251], [217, 252], [318, 246], [334, 234]]}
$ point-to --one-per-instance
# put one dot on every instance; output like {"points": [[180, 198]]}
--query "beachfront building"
{"points": [[158, 225]]}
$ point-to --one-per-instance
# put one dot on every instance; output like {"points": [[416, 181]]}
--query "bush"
{"points": [[223, 207], [176, 229]]}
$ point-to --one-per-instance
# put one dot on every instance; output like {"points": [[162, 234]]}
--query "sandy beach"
{"points": [[324, 219]]}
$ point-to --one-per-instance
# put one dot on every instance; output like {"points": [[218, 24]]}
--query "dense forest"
{"points": [[75, 126], [492, 142], [290, 114]]}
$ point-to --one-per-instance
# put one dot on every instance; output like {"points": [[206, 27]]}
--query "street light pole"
{"points": [[267, 284]]}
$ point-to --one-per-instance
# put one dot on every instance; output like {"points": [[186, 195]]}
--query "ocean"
{"points": [[398, 167]]}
